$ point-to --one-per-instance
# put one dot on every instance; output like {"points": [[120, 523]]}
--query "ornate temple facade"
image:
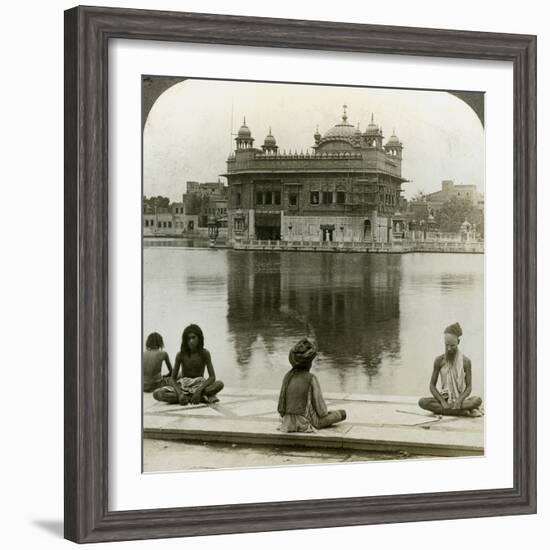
{"points": [[346, 188]]}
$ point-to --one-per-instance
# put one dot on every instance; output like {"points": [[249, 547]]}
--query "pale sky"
{"points": [[187, 133]]}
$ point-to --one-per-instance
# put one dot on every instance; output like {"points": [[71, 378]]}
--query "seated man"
{"points": [[455, 370], [301, 404], [153, 357], [192, 387]]}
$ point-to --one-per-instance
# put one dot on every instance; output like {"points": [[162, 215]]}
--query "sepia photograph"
{"points": [[313, 274]]}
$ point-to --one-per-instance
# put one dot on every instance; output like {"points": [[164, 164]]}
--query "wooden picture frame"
{"points": [[87, 34]]}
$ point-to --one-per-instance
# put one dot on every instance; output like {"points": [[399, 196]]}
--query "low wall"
{"points": [[198, 241], [198, 232], [402, 247]]}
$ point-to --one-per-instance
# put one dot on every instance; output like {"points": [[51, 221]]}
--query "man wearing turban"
{"points": [[454, 371], [301, 404]]}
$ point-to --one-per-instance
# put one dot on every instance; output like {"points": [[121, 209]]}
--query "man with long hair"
{"points": [[455, 371], [192, 387]]}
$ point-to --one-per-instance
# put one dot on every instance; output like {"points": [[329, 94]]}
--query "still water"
{"points": [[377, 319]]}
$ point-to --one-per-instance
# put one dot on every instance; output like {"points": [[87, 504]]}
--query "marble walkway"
{"points": [[374, 423]]}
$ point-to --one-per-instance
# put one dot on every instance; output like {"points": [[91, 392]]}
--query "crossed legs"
{"points": [[328, 420], [168, 394], [433, 405]]}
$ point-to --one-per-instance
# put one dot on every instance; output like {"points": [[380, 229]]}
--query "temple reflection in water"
{"points": [[348, 303], [378, 319]]}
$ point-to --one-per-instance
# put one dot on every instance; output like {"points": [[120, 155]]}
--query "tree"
{"points": [[420, 209], [153, 203], [455, 211]]}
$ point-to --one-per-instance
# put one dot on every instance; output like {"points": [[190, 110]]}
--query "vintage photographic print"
{"points": [[313, 274]]}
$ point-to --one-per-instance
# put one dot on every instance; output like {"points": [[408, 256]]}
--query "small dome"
{"points": [[244, 131], [394, 140], [372, 128], [269, 140]]}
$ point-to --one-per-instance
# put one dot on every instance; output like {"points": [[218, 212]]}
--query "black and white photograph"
{"points": [[313, 274], [274, 275]]}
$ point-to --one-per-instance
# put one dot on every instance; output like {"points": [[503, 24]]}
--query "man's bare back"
{"points": [[152, 367], [152, 362]]}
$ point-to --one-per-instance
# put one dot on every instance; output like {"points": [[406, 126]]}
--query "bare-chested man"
{"points": [[153, 357], [192, 387], [455, 371]]}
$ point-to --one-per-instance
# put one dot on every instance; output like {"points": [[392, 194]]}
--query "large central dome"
{"points": [[341, 130]]}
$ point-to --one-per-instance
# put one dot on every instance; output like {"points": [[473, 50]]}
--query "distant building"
{"points": [[212, 200], [449, 190], [346, 189], [171, 221]]}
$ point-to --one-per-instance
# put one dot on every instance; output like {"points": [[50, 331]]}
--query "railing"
{"points": [[402, 246], [344, 155], [185, 242]]}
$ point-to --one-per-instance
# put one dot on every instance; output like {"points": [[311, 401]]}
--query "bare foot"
{"points": [[184, 400], [210, 400]]}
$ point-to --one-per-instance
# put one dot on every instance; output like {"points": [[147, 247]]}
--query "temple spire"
{"points": [[345, 116]]}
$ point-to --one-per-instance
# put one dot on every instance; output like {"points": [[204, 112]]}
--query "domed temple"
{"points": [[345, 188]]}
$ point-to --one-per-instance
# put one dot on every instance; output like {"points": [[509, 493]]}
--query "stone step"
{"points": [[249, 417]]}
